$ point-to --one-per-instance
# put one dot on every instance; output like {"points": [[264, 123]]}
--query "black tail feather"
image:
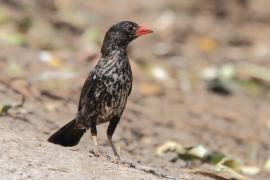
{"points": [[69, 135]]}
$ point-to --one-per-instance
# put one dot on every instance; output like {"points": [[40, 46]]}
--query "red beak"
{"points": [[143, 30]]}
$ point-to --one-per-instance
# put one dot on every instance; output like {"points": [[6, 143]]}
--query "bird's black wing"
{"points": [[131, 79], [88, 85]]}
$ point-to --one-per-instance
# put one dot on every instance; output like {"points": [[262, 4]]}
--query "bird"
{"points": [[106, 89]]}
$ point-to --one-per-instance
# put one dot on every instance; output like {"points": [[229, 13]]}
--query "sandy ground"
{"points": [[178, 108], [28, 157]]}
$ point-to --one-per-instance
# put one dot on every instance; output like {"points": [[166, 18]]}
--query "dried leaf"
{"points": [[207, 44], [51, 107], [169, 146], [228, 173], [150, 89], [209, 73], [198, 151], [219, 173], [267, 165], [52, 60], [250, 170], [4, 108], [233, 163]]}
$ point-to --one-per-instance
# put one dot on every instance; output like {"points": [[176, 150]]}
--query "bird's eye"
{"points": [[130, 28]]}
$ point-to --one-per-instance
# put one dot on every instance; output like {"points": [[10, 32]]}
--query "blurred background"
{"points": [[201, 92]]}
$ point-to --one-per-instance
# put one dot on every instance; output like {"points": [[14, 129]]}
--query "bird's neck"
{"points": [[110, 47], [118, 55], [114, 62]]}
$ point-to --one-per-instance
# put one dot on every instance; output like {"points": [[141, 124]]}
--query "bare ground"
{"points": [[179, 108]]}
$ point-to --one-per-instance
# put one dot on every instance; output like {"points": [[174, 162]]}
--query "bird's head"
{"points": [[122, 33]]}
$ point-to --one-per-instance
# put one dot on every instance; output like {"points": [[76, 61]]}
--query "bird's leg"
{"points": [[111, 128], [93, 129]]}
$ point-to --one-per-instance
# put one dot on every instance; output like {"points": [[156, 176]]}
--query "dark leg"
{"points": [[112, 126], [93, 129]]}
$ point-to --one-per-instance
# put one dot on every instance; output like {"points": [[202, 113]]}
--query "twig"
{"points": [[5, 83]]}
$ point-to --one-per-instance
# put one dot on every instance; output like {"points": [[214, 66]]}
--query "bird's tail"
{"points": [[68, 135]]}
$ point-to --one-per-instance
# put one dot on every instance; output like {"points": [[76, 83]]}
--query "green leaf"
{"points": [[12, 38], [4, 108]]}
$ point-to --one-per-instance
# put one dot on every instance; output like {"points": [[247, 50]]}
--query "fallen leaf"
{"points": [[4, 108], [229, 173], [150, 89], [169, 146], [51, 107], [250, 170], [199, 151], [207, 44], [222, 162], [267, 165], [52, 60], [220, 173], [231, 162]]}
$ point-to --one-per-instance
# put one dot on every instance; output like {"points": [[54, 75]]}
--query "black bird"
{"points": [[104, 94]]}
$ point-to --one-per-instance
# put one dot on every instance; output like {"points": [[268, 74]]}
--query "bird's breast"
{"points": [[114, 81], [111, 105], [112, 97]]}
